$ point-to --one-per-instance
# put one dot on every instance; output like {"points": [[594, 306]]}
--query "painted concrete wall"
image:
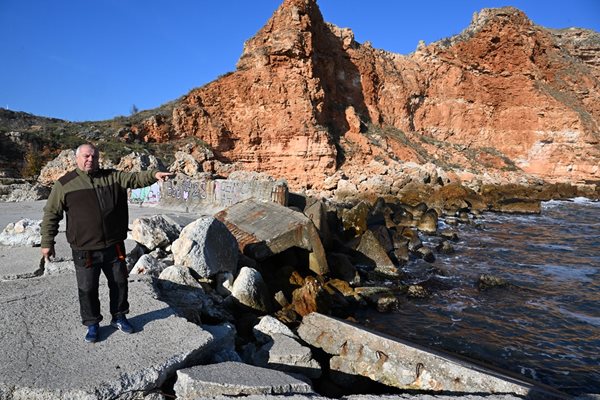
{"points": [[188, 194]]}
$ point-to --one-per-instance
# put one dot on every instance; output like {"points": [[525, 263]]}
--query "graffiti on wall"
{"points": [[231, 192], [186, 190], [145, 195]]}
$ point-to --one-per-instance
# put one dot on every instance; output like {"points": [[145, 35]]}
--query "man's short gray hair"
{"points": [[85, 145]]}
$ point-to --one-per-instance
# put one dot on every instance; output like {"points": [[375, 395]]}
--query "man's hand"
{"points": [[163, 176], [48, 252]]}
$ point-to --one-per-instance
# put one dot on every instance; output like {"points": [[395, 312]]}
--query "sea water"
{"points": [[545, 325]]}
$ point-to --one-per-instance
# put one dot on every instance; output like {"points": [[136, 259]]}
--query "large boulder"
{"points": [[207, 247], [376, 255]]}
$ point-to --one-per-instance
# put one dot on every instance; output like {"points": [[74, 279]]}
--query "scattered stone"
{"points": [[426, 254], [58, 266], [25, 191], [250, 289], [178, 275], [268, 326], [341, 267], [445, 247], [428, 222], [311, 297], [490, 281], [153, 232], [148, 265], [25, 232], [285, 353], [449, 234], [417, 292], [370, 247], [355, 219]]}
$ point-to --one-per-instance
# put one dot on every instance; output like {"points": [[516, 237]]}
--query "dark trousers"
{"points": [[88, 265]]}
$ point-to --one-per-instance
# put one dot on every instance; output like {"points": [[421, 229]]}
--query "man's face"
{"points": [[87, 159]]}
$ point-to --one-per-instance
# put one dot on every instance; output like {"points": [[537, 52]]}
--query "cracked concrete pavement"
{"points": [[42, 351]]}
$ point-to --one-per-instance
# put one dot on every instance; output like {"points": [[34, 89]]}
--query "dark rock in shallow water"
{"points": [[445, 247], [490, 281], [425, 253]]}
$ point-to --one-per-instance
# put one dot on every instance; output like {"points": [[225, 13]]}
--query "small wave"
{"points": [[583, 200], [581, 317], [549, 246], [528, 371]]}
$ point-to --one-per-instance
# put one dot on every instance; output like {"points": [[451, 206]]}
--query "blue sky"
{"points": [[87, 60]]}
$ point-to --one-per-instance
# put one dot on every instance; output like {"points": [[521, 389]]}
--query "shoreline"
{"points": [[143, 210]]}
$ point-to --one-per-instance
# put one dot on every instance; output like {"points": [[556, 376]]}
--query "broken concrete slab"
{"points": [[43, 354], [235, 379], [359, 352], [263, 229]]}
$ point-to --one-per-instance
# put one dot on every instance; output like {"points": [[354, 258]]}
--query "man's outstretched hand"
{"points": [[163, 176]]}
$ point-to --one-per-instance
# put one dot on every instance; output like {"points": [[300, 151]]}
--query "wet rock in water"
{"points": [[425, 253], [449, 234], [414, 241], [428, 222], [445, 247], [463, 216], [250, 289], [417, 292], [401, 254], [518, 206], [383, 298], [487, 281], [23, 233]]}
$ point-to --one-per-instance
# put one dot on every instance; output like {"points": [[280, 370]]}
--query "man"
{"points": [[95, 201]]}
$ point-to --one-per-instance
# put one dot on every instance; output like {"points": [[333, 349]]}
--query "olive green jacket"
{"points": [[95, 205]]}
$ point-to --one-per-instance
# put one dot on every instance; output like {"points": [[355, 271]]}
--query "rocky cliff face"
{"points": [[504, 99]]}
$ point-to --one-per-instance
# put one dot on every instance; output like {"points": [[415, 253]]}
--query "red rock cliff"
{"points": [[503, 97]]}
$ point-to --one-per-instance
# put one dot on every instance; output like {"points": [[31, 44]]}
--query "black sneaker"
{"points": [[122, 324], [92, 333]]}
